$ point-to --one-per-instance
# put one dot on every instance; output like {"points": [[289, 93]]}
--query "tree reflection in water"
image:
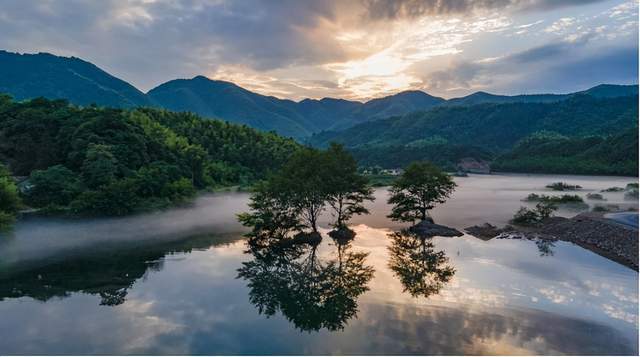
{"points": [[422, 270], [311, 292], [108, 272]]}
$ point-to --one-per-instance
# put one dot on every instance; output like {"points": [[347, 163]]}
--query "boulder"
{"points": [[426, 228]]}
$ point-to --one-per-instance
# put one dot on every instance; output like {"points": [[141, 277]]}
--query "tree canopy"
{"points": [[294, 197], [114, 161], [421, 186]]}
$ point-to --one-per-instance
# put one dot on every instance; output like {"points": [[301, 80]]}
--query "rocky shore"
{"points": [[592, 231]]}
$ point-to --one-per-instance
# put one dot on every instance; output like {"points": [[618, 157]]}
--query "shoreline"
{"points": [[590, 230]]}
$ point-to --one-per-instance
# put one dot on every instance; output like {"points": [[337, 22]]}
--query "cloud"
{"points": [[389, 9], [562, 66], [353, 49]]}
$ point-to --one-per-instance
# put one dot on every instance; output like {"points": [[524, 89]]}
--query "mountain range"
{"points": [[26, 76]]}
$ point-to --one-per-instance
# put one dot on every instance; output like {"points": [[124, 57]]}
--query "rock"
{"points": [[592, 231], [487, 231], [426, 228]]}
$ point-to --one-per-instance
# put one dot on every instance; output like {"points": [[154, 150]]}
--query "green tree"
{"points": [[346, 189], [99, 166], [9, 197], [420, 187], [56, 185], [303, 179], [271, 215]]}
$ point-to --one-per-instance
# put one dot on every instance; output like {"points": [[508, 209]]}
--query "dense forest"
{"points": [[116, 161], [553, 153], [448, 134]]}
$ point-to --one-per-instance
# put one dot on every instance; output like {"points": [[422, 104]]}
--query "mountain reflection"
{"points": [[108, 272], [310, 291], [421, 269]]}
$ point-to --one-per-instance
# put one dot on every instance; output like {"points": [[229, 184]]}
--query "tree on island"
{"points": [[294, 197], [419, 189], [346, 188]]}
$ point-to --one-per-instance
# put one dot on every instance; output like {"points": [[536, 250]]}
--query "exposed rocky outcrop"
{"points": [[487, 231], [605, 237], [590, 230], [426, 228]]}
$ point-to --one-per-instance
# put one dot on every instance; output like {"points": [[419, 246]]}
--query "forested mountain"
{"points": [[226, 100], [44, 75], [27, 76], [219, 99], [494, 126], [600, 91], [552, 153], [116, 161], [446, 134]]}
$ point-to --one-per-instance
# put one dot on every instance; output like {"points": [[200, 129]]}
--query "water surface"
{"points": [[184, 281]]}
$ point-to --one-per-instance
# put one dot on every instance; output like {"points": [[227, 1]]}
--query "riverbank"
{"points": [[591, 230]]}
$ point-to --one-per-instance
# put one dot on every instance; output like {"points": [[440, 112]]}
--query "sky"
{"points": [[352, 49]]}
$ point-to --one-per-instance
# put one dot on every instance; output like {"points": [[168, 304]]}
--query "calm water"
{"points": [[185, 282]]}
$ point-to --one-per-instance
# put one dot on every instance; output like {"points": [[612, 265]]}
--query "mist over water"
{"points": [[36, 238], [169, 283]]}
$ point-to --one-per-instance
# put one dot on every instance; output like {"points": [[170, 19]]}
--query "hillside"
{"points": [[116, 161], [447, 134], [493, 126], [610, 155], [26, 76], [219, 99]]}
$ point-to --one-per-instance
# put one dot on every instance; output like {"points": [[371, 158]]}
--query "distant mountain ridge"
{"points": [[26, 76]]}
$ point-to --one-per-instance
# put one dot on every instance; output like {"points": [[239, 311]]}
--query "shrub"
{"points": [[563, 186]]}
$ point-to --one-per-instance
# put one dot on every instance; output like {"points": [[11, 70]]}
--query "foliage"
{"points": [[422, 270], [346, 188], [581, 135], [563, 186], [526, 216], [613, 189], [293, 198], [420, 187], [9, 198], [311, 292], [563, 199], [113, 161], [614, 154]]}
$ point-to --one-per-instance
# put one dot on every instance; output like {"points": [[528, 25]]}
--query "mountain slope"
{"points": [[397, 104], [610, 155], [26, 76], [492, 126], [230, 102]]}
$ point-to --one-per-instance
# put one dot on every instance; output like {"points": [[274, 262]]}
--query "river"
{"points": [[182, 281]]}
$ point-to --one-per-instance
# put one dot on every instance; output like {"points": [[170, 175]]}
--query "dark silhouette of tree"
{"points": [[545, 247], [422, 270], [420, 187], [346, 188], [310, 292], [108, 273]]}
